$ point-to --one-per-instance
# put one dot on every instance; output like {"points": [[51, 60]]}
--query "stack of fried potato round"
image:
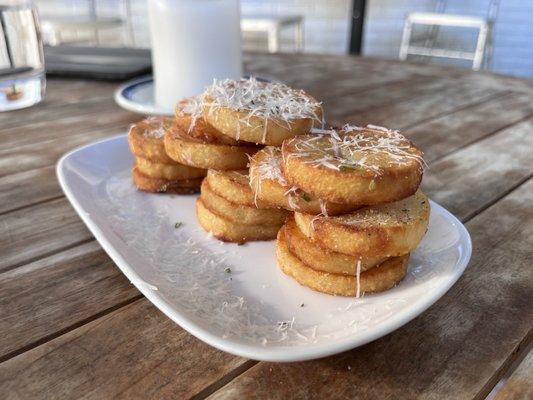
{"points": [[227, 209], [154, 170], [358, 212], [344, 204]]}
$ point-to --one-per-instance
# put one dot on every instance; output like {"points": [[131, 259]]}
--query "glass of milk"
{"points": [[193, 42]]}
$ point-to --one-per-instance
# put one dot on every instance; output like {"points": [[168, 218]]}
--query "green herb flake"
{"points": [[301, 305], [306, 197], [227, 270], [348, 167], [178, 225]]}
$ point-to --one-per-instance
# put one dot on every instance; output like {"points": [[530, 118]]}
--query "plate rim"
{"points": [[134, 106], [274, 353]]}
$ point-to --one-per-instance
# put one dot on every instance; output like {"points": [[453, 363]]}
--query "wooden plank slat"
{"points": [[38, 231], [64, 91], [45, 154], [451, 351], [350, 74], [358, 78], [479, 174], [358, 102], [29, 187], [44, 298], [74, 120], [446, 134], [133, 353], [520, 384], [416, 110], [60, 100]]}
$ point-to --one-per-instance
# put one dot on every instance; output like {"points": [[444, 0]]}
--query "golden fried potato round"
{"points": [[228, 231], [239, 213], [260, 112], [158, 185], [358, 166], [322, 259], [146, 139], [173, 171], [269, 185], [377, 279], [190, 120], [234, 185], [195, 153], [387, 230]]}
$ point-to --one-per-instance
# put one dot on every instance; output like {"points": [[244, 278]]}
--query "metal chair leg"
{"points": [[273, 40], [480, 48], [406, 38], [299, 36]]}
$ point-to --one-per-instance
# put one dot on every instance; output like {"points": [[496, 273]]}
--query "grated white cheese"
{"points": [[273, 102], [191, 106], [270, 166], [358, 279], [356, 148], [154, 127]]}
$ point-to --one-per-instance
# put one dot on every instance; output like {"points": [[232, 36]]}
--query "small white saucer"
{"points": [[138, 96]]}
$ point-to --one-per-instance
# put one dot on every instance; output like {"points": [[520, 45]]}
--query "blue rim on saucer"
{"points": [[137, 95]]}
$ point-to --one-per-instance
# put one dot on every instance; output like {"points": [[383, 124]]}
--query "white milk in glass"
{"points": [[193, 42]]}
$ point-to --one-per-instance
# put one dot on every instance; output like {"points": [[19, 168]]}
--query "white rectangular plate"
{"points": [[255, 311]]}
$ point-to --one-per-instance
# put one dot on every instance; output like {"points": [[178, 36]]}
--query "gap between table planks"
{"points": [[458, 167], [519, 385]]}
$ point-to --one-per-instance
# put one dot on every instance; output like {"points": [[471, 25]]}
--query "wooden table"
{"points": [[72, 325]]}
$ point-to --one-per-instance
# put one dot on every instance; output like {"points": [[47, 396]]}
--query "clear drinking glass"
{"points": [[22, 75]]}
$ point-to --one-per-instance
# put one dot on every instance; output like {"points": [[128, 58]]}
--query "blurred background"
{"points": [[447, 32]]}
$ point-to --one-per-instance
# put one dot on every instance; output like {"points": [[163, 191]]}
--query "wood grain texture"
{"points": [[27, 188], [452, 350], [72, 120], [46, 297], [479, 174], [279, 65], [47, 153], [474, 124], [328, 77], [443, 135], [38, 231], [466, 207], [134, 353], [60, 99], [383, 96], [405, 114], [519, 386]]}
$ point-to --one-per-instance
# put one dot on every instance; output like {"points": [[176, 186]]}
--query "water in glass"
{"points": [[22, 76]]}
